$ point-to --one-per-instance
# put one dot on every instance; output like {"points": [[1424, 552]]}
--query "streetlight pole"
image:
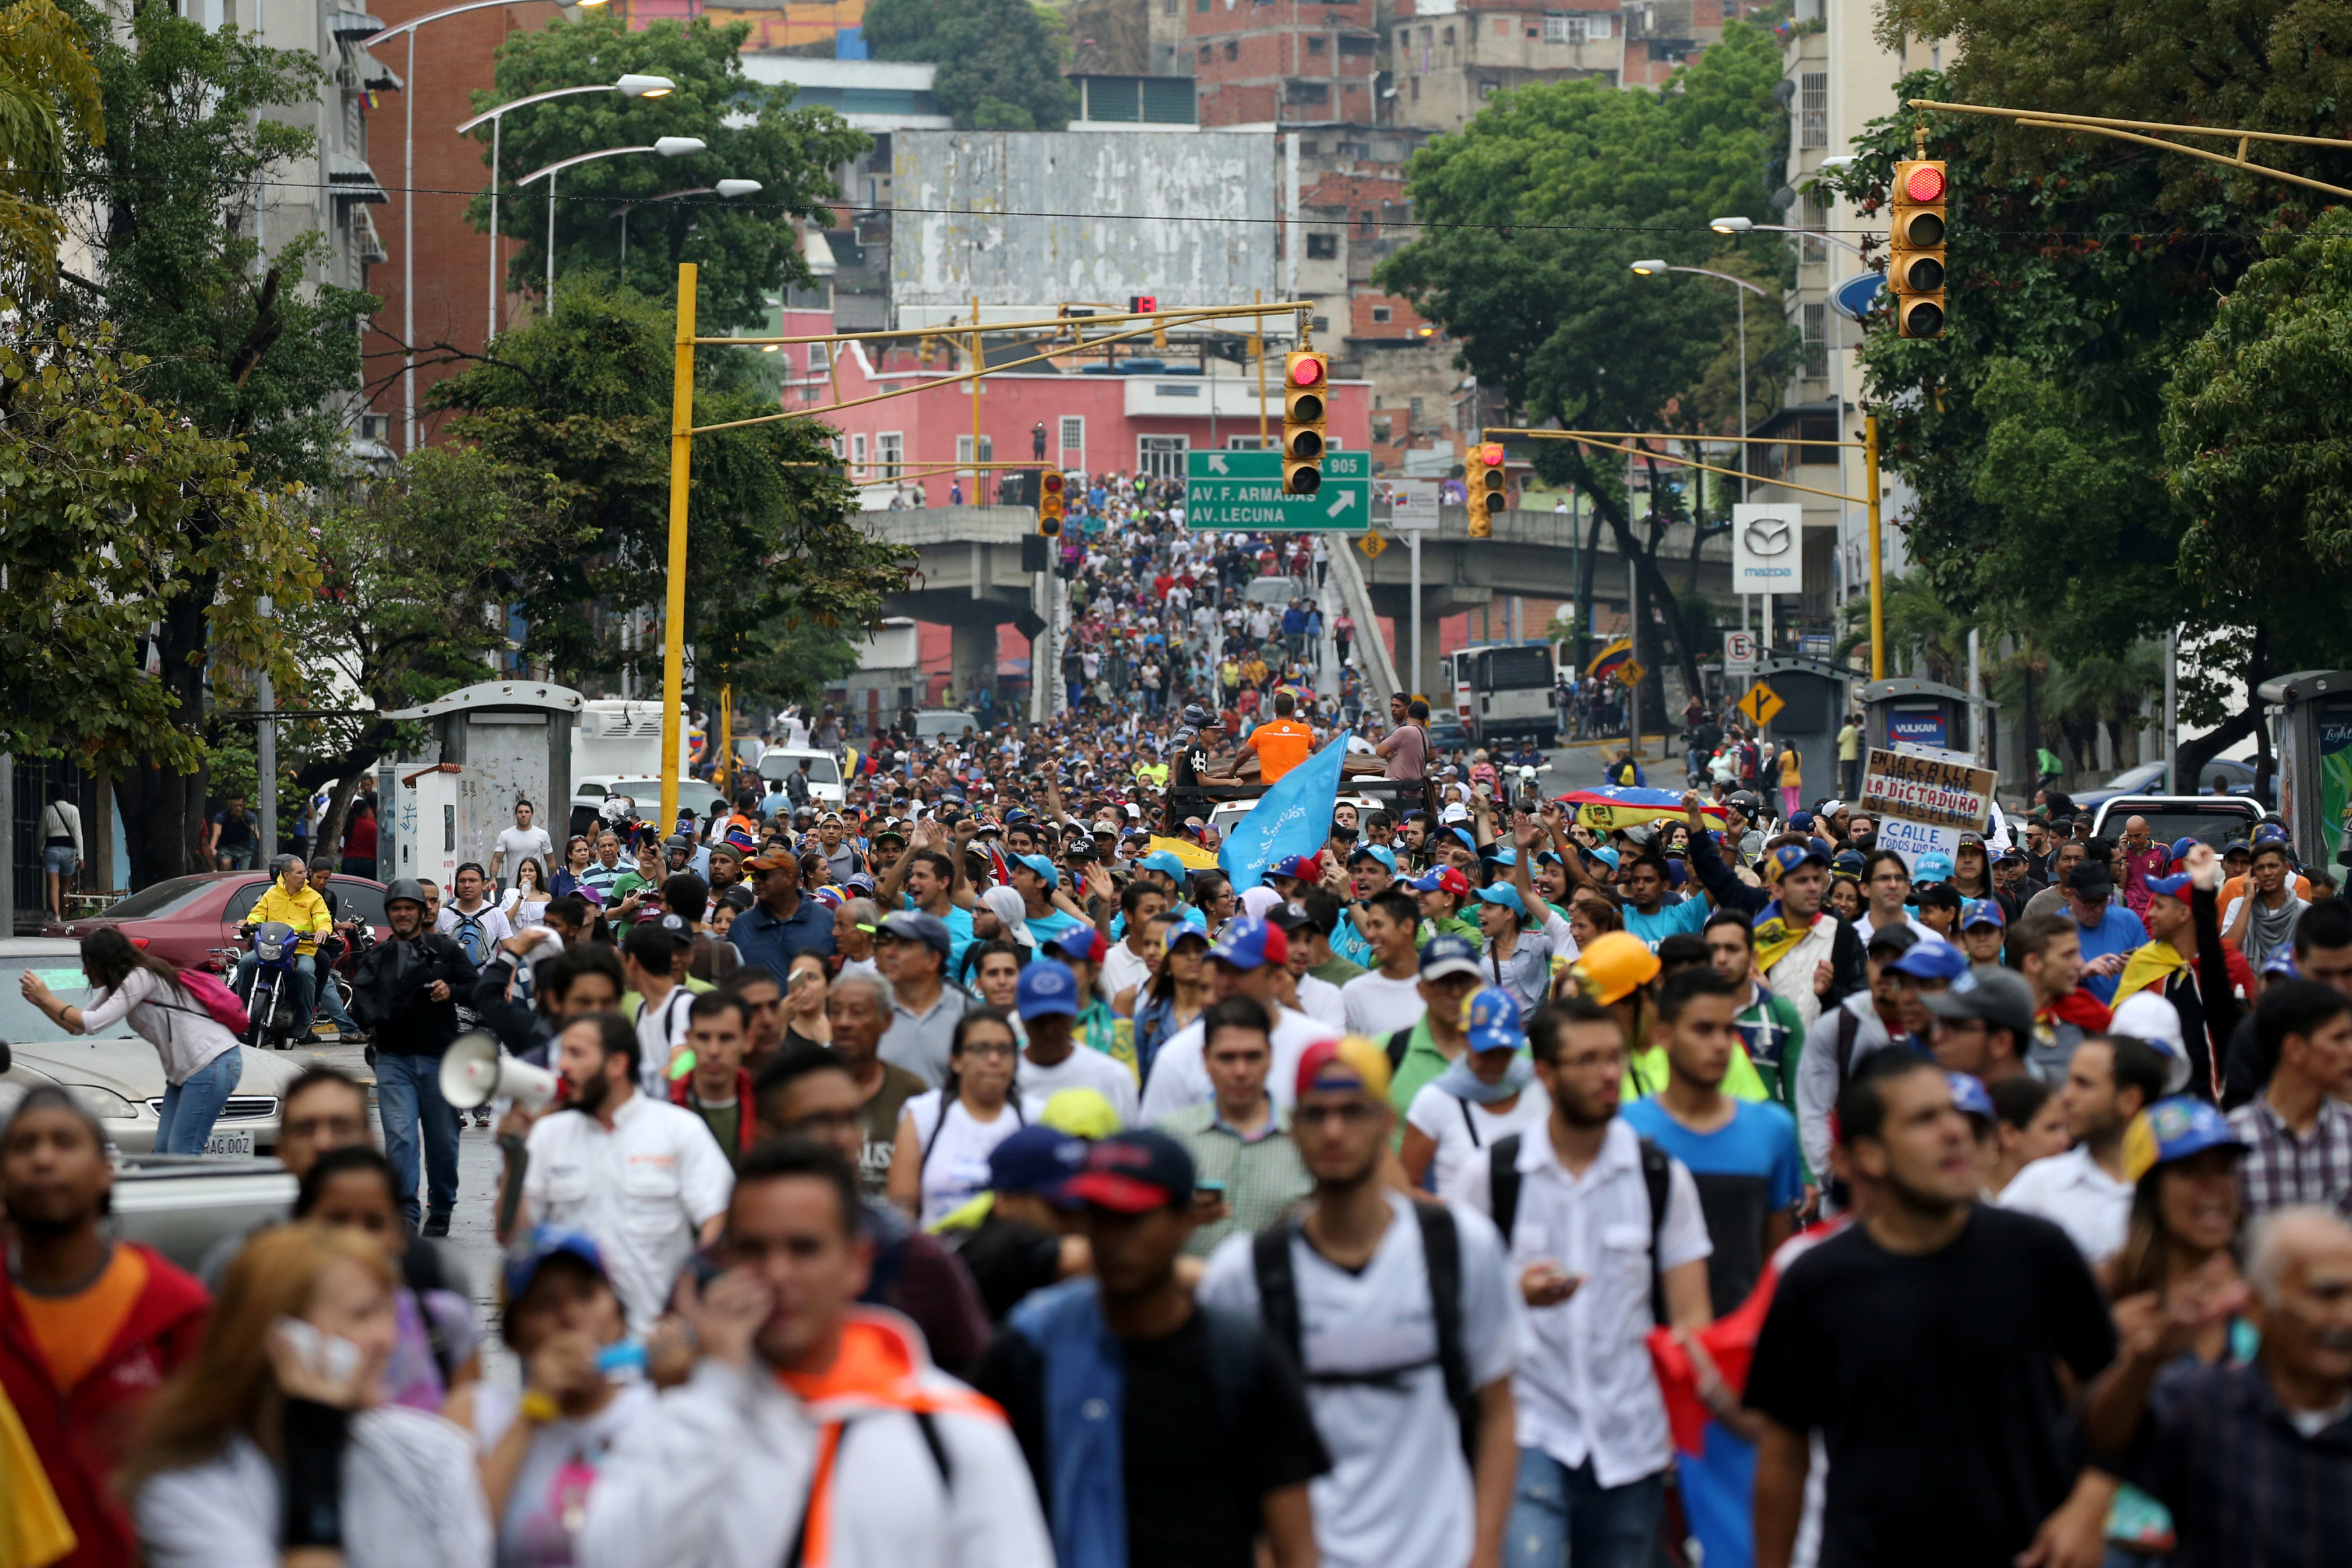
{"points": [[668, 146], [1652, 268], [632, 84]]}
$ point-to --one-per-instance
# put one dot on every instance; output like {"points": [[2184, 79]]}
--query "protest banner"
{"points": [[1923, 804]]}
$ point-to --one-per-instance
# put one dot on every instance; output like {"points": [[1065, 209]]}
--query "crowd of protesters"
{"points": [[975, 1174]]}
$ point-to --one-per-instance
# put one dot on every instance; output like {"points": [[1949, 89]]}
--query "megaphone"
{"points": [[474, 1074]]}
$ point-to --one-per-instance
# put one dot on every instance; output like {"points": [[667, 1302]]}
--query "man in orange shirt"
{"points": [[89, 1327], [1281, 743]]}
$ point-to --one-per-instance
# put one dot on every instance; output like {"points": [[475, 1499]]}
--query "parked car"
{"points": [[181, 1204], [2147, 778], [187, 921], [115, 1072], [2210, 819], [944, 723], [699, 796]]}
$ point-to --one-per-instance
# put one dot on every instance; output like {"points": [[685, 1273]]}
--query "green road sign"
{"points": [[1244, 490]]}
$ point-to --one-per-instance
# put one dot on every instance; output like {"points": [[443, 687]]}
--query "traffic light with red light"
{"points": [[1049, 503], [1306, 380], [1915, 269], [1488, 488]]}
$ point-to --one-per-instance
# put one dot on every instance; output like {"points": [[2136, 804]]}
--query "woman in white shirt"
{"points": [[525, 904], [200, 1059], [1488, 1091], [945, 1137], [276, 1440]]}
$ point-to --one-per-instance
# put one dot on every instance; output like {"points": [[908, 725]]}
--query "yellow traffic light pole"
{"points": [[1607, 441], [2130, 129], [683, 430]]}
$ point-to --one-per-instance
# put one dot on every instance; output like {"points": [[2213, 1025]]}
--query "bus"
{"points": [[1504, 691]]}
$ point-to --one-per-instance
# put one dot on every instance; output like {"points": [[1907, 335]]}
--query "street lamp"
{"points": [[668, 146], [1653, 268], [726, 189], [1749, 225], [409, 200], [632, 84]]}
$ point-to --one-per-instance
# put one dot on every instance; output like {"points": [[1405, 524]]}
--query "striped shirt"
{"points": [[2281, 1169]]}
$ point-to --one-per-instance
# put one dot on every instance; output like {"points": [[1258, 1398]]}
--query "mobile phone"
{"points": [[1215, 1189]]}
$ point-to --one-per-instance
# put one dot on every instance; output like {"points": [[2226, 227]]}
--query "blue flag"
{"points": [[1292, 817]]}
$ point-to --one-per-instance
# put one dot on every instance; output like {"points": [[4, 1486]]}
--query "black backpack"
{"points": [[1441, 1245], [1503, 1200]]}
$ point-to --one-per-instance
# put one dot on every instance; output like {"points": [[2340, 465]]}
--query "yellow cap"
{"points": [[1614, 966]]}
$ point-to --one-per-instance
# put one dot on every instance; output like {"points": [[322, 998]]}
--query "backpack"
{"points": [[218, 1000], [1399, 1043], [1441, 1245], [1503, 1201], [470, 937]]}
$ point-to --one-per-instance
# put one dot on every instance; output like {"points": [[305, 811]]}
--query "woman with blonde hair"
{"points": [[276, 1443]]}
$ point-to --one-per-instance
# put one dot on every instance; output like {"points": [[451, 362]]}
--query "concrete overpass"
{"points": [[968, 576]]}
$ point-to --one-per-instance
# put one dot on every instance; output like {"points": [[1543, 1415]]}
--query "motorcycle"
{"points": [[270, 997]]}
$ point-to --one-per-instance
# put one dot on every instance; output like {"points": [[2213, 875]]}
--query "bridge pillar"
{"points": [[972, 660]]}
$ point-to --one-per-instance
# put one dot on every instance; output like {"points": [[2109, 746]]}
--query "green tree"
{"points": [[115, 516], [747, 250], [2082, 271], [242, 342], [2255, 435], [48, 95], [417, 567], [1538, 209], [774, 543], [1001, 61]]}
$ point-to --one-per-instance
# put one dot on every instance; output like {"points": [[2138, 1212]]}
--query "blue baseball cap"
{"points": [[1934, 866], [1801, 821], [1981, 912], [2270, 833], [1968, 1096], [1305, 868], [1046, 989], [1165, 863], [1505, 895], [1846, 863], [1037, 1159], [1042, 866], [1250, 943], [2175, 1129], [1504, 857], [1444, 956], [1491, 1020], [1932, 958], [2181, 848], [524, 1261], [2173, 887], [1604, 854], [1386, 856], [1780, 863], [1180, 929]]}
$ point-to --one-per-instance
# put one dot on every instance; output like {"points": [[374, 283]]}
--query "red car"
{"points": [[186, 920]]}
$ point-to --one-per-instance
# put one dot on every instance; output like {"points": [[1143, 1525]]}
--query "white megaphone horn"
{"points": [[474, 1074]]}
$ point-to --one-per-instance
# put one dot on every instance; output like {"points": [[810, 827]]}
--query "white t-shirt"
{"points": [[2072, 1191], [1399, 1491], [641, 1191], [1461, 1129], [538, 1529], [1121, 968], [1179, 1072], [955, 1153], [1378, 1006], [1321, 1000], [487, 928], [518, 844], [661, 1028], [1084, 1067]]}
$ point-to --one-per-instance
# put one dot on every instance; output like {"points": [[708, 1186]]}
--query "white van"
{"points": [[695, 794], [944, 723], [779, 763]]}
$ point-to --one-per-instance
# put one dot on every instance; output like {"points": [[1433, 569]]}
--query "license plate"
{"points": [[230, 1143]]}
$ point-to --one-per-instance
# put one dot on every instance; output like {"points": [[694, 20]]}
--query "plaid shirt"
{"points": [[1263, 1174], [2281, 1168], [2243, 1484]]}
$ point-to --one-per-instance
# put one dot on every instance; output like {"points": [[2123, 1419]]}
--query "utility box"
{"points": [[2315, 749], [419, 824], [1924, 713], [1816, 696], [506, 741]]}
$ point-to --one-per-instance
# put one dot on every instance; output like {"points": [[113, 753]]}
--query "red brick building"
{"points": [[1289, 62]]}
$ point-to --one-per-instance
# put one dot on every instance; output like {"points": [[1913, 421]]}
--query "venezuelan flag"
{"points": [[1606, 662]]}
